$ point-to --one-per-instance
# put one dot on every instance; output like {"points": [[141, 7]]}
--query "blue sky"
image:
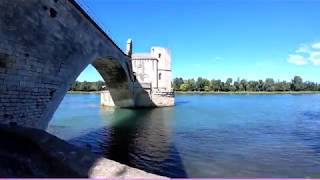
{"points": [[218, 39]]}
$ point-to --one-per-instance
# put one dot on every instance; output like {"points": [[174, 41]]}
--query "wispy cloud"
{"points": [[259, 64], [306, 53], [303, 49], [218, 58], [315, 58], [316, 45], [297, 59]]}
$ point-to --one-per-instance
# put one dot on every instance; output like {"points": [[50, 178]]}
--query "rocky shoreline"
{"points": [[28, 152]]}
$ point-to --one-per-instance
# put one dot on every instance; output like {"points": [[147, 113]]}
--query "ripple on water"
{"points": [[203, 136]]}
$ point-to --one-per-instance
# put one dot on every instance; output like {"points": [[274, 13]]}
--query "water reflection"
{"points": [[203, 136], [139, 138], [308, 130]]}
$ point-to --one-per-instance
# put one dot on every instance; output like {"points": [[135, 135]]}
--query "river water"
{"points": [[202, 136]]}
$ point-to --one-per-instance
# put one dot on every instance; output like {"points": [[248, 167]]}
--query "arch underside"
{"points": [[122, 89], [117, 81]]}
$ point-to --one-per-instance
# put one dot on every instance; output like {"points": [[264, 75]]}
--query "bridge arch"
{"points": [[45, 45], [118, 78]]}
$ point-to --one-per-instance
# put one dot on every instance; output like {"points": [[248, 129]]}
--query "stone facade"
{"points": [[154, 69], [152, 72]]}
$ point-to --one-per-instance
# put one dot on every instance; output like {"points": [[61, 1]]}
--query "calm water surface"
{"points": [[202, 136]]}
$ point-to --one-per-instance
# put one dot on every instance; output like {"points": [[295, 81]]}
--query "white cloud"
{"points": [[260, 64], [218, 58], [306, 53], [316, 45], [297, 59], [315, 58], [303, 49]]}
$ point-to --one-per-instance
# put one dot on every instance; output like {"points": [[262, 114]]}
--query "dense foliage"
{"points": [[87, 86], [203, 84]]}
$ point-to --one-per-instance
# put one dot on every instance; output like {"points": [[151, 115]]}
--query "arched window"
{"points": [[159, 55]]}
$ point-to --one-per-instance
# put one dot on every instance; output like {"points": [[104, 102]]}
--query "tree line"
{"points": [[203, 84], [268, 85], [87, 86]]}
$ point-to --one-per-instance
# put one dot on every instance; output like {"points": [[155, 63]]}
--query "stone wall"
{"points": [[142, 98], [106, 99], [164, 68], [45, 45], [146, 71], [163, 100]]}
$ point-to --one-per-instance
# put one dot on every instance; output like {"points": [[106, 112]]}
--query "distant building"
{"points": [[153, 70]]}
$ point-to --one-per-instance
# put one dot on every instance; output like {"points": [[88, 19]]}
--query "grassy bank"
{"points": [[248, 92]]}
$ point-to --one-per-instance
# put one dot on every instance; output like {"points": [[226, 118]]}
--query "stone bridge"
{"points": [[45, 45]]}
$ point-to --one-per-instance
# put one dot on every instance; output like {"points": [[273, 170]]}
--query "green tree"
{"points": [[76, 86], [215, 85], [253, 86], [229, 81], [192, 84], [310, 86], [207, 88], [244, 85], [236, 86], [269, 84], [184, 87], [201, 83], [297, 84], [228, 86], [85, 86], [177, 83], [261, 85], [282, 86]]}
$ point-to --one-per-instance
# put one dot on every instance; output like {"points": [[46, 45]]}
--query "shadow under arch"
{"points": [[139, 138], [118, 78]]}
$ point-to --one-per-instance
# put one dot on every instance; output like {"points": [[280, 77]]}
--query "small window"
{"points": [[159, 76], [159, 55], [134, 76]]}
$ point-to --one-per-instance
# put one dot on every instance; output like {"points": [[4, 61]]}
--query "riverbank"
{"points": [[217, 92], [34, 153], [83, 92], [248, 92]]}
